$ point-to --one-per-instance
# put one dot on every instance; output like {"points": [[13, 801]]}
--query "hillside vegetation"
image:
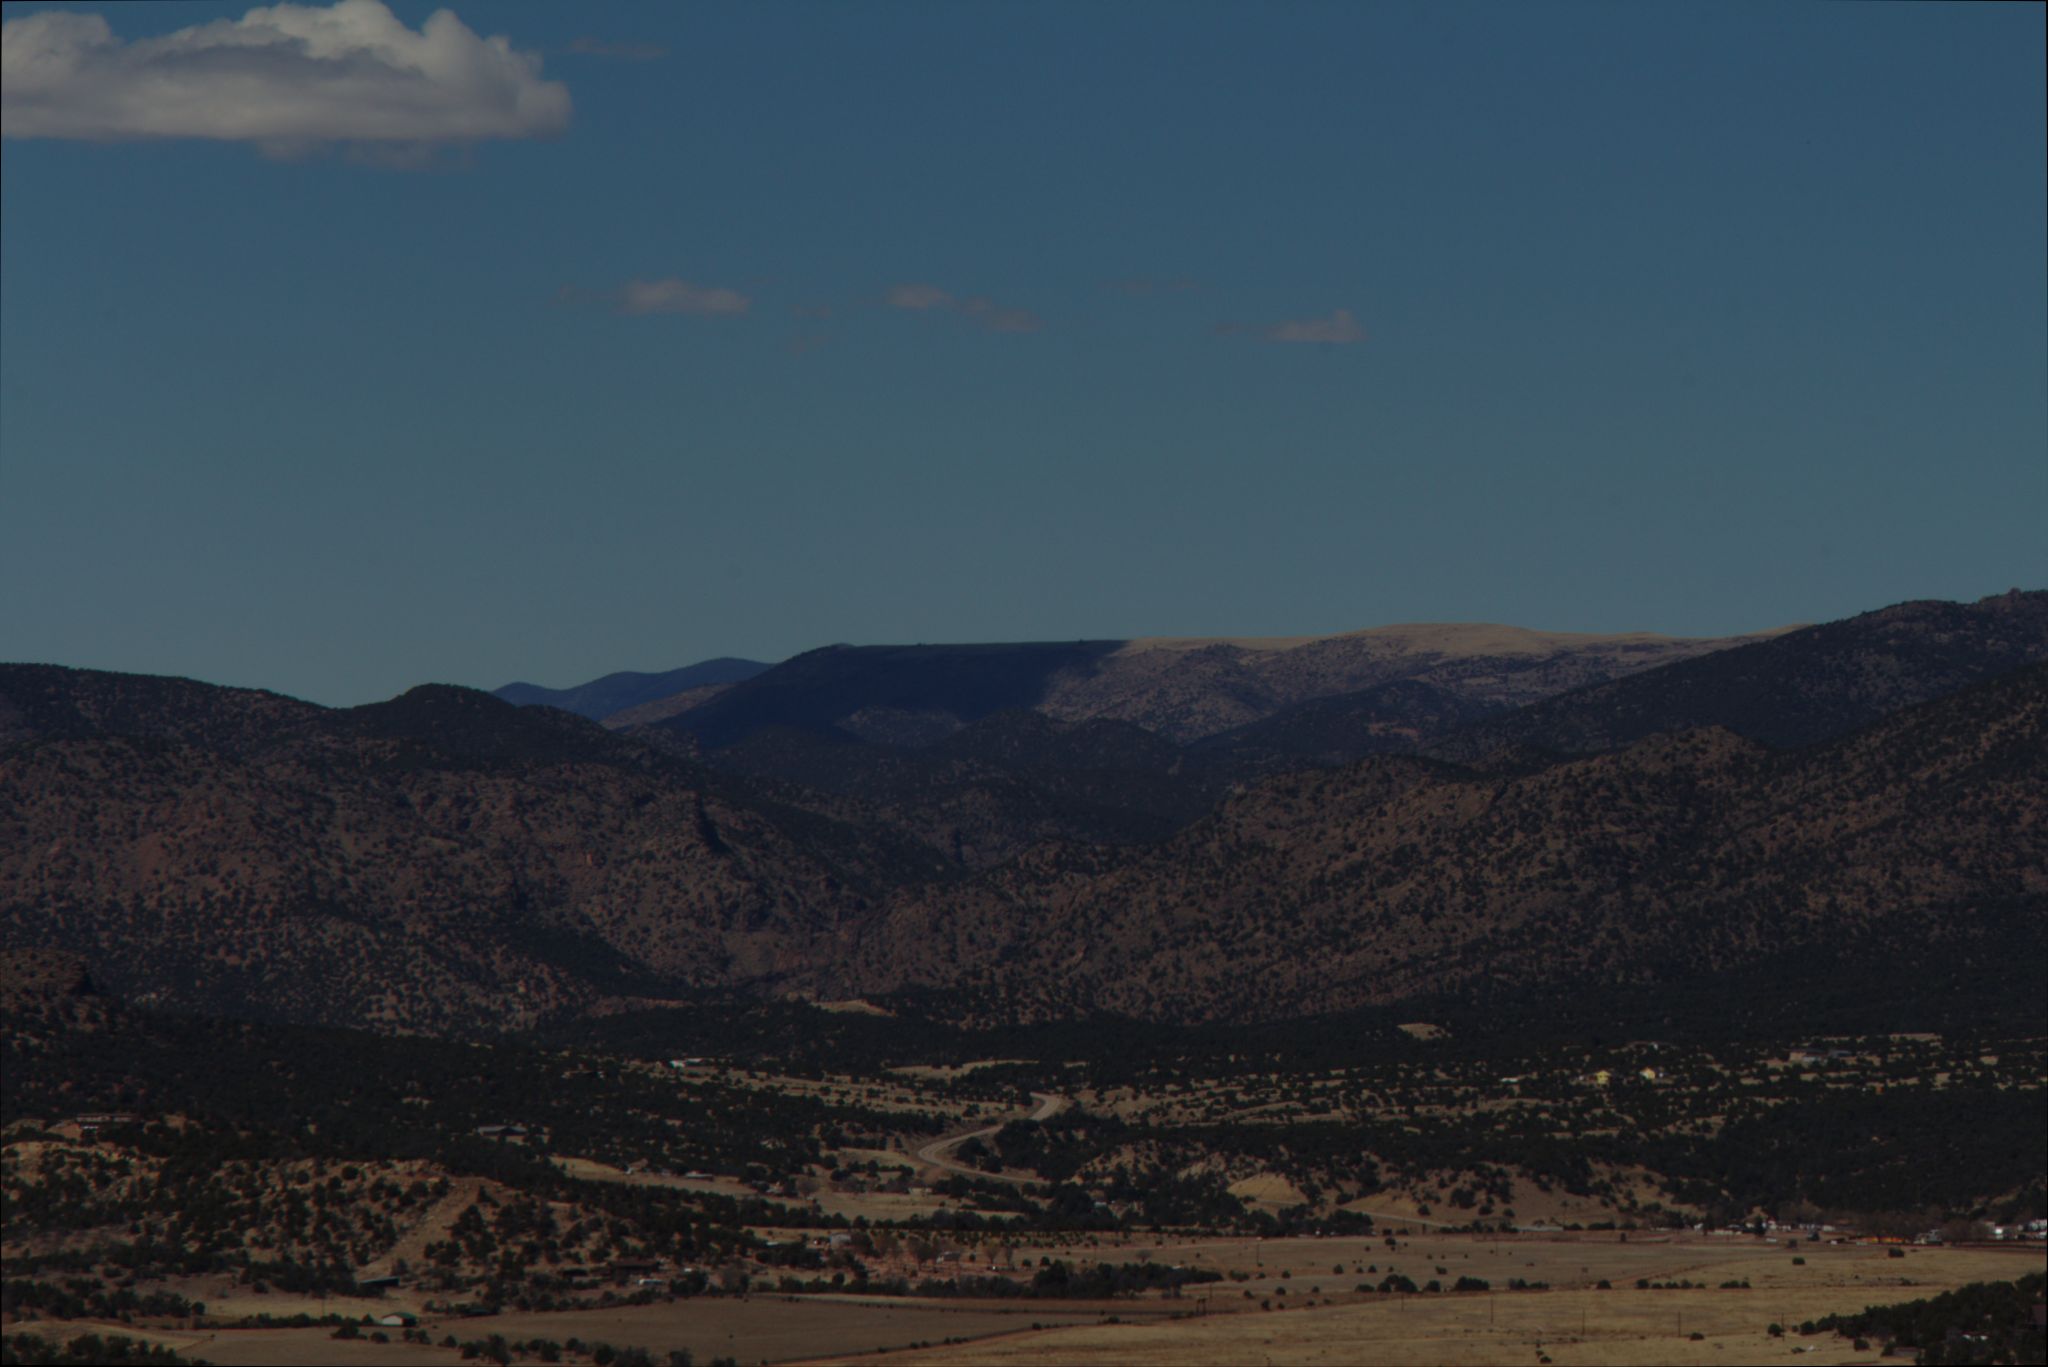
{"points": [[447, 861], [1681, 855]]}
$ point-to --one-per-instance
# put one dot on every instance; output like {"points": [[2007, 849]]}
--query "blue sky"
{"points": [[334, 361]]}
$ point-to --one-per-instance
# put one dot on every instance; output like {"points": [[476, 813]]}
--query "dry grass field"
{"points": [[311, 1347], [934, 1072], [879, 1206], [781, 1329], [255, 1347], [1574, 1324], [1317, 1317], [228, 1302], [590, 1170], [754, 1329], [908, 1089]]}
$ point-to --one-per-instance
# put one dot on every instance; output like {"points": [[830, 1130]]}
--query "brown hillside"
{"points": [[447, 861], [1793, 689], [1684, 853], [1187, 689], [1182, 689], [437, 862]]}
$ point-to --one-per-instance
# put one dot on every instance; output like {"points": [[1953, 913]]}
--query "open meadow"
{"points": [[1705, 1300], [1574, 1323]]}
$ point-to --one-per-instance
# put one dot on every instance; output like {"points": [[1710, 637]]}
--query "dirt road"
{"points": [[1382, 1220], [434, 1224], [934, 1153]]}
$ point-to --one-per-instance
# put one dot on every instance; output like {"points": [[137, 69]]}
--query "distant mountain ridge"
{"points": [[447, 861], [600, 698], [889, 694], [1182, 689], [1191, 689], [1794, 689]]}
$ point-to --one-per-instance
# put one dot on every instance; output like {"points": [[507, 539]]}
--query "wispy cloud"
{"points": [[1138, 287], [621, 52], [1339, 329], [988, 314], [918, 297], [288, 79], [680, 296], [978, 309]]}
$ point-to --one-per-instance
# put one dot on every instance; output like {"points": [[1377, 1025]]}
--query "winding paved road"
{"points": [[935, 1152]]}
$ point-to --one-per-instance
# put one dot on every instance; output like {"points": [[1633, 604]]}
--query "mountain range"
{"points": [[1686, 853], [1176, 831], [984, 750], [1181, 688], [627, 691]]}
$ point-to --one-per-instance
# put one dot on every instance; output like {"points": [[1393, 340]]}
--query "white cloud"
{"points": [[680, 296], [1338, 327], [288, 78], [982, 311]]}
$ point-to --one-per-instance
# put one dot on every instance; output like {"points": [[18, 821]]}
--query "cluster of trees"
{"points": [[290, 1091], [282, 1165], [1725, 1135], [498, 1349], [78, 1298], [187, 1207], [1054, 1280], [115, 1350], [1983, 1322], [1853, 1150]]}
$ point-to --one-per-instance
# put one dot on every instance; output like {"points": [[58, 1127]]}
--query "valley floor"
{"points": [[1283, 1302]]}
